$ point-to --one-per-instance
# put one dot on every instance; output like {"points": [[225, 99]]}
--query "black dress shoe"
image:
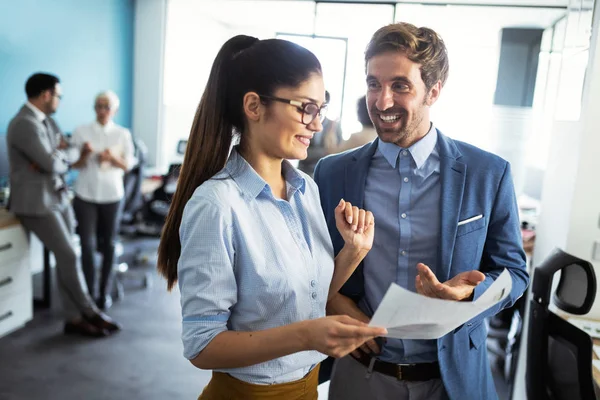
{"points": [[103, 321], [83, 327]]}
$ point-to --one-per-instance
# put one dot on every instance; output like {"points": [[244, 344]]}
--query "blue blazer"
{"points": [[473, 182]]}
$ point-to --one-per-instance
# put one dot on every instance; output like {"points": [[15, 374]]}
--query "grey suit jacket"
{"points": [[33, 191]]}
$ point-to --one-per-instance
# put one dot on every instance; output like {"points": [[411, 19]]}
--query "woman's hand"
{"points": [[356, 226], [338, 335], [86, 149], [106, 156]]}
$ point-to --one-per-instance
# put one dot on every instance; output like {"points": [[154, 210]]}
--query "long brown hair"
{"points": [[242, 65]]}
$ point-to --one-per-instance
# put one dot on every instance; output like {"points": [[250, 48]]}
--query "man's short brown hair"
{"points": [[421, 45]]}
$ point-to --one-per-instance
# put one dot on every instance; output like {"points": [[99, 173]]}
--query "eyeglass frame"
{"points": [[301, 107], [106, 107]]}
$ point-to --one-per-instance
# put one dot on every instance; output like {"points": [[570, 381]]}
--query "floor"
{"points": [[144, 361]]}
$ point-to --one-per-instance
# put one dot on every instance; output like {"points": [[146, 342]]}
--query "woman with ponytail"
{"points": [[245, 238]]}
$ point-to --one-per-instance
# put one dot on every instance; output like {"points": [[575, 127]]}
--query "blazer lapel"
{"points": [[452, 176], [45, 126], [356, 175]]}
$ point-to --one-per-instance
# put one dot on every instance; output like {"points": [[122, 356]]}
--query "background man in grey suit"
{"points": [[39, 199]]}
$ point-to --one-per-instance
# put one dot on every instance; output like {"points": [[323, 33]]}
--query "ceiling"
{"points": [[536, 3], [520, 3]]}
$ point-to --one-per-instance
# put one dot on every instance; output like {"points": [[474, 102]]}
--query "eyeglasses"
{"points": [[102, 107], [309, 110]]}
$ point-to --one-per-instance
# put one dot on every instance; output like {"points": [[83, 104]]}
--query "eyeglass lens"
{"points": [[311, 111]]}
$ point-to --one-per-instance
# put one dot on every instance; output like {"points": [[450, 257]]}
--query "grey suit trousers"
{"points": [[55, 230], [350, 380]]}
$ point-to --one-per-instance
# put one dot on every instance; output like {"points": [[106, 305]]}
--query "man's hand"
{"points": [[458, 288], [370, 347], [34, 167], [63, 144]]}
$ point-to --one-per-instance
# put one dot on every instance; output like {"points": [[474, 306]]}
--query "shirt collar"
{"points": [[253, 184], [39, 114], [106, 127], [419, 151]]}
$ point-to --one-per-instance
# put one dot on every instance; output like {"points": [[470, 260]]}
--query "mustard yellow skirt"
{"points": [[225, 387]]}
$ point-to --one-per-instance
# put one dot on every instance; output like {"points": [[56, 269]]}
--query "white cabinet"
{"points": [[16, 305]]}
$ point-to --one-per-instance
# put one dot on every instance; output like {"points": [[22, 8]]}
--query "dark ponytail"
{"points": [[244, 64], [206, 153]]}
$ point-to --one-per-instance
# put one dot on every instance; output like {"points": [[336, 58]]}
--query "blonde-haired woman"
{"points": [[106, 153]]}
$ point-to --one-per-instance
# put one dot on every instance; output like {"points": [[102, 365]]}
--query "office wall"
{"points": [[571, 191], [519, 54], [88, 44], [147, 116]]}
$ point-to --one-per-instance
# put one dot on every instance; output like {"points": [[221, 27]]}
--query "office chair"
{"points": [[559, 355], [133, 201], [122, 270], [132, 183]]}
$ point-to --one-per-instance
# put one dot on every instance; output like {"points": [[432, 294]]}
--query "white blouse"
{"points": [[101, 182]]}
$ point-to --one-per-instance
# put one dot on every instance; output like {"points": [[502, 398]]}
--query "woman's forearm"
{"points": [[345, 263], [119, 163], [231, 349], [81, 162]]}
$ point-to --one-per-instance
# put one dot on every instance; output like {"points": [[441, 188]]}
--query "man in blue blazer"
{"points": [[447, 225]]}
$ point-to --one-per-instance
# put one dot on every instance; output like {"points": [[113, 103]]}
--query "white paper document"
{"points": [[408, 315]]}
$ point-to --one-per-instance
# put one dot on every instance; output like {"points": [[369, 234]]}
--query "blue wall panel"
{"points": [[88, 44]]}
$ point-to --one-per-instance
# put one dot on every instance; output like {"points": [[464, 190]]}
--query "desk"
{"points": [[8, 220], [150, 184], [15, 275]]}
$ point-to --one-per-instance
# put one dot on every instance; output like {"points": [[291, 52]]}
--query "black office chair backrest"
{"points": [[559, 355], [132, 182]]}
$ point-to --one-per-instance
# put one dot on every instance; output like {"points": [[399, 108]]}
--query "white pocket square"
{"points": [[466, 221]]}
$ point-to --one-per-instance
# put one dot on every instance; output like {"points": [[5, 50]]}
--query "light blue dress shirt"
{"points": [[250, 261], [403, 193]]}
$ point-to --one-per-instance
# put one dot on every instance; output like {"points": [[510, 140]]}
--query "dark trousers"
{"points": [[97, 225]]}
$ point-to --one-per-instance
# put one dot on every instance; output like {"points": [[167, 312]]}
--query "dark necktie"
{"points": [[49, 132], [59, 182]]}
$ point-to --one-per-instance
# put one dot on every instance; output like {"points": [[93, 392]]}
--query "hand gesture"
{"points": [[338, 335], [86, 149], [370, 347], [459, 288], [106, 155], [63, 144], [34, 167], [356, 226]]}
